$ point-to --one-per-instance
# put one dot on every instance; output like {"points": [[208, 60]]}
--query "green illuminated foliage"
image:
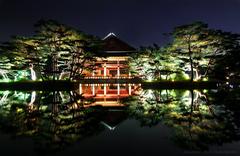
{"points": [[154, 63], [54, 52], [52, 121], [197, 120], [70, 51], [196, 53], [191, 44], [226, 65]]}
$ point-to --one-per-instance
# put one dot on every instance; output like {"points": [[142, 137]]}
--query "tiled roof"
{"points": [[113, 43]]}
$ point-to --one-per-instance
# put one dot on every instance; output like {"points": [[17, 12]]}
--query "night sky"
{"points": [[138, 22]]}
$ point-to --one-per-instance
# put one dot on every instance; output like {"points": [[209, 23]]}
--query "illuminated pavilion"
{"points": [[112, 66], [115, 54]]}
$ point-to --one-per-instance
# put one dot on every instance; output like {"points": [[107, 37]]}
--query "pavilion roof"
{"points": [[113, 44]]}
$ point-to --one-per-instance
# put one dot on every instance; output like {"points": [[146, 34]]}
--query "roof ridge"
{"points": [[114, 44], [109, 34]]}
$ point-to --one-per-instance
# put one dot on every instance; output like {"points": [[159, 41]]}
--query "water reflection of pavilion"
{"points": [[107, 95]]}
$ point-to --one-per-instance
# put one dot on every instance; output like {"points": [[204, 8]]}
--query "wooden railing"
{"points": [[100, 80]]}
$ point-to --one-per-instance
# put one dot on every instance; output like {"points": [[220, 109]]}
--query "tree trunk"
{"points": [[190, 59], [209, 63], [191, 113], [33, 73], [72, 66], [191, 63]]}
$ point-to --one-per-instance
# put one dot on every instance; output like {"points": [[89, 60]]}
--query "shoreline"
{"points": [[67, 85]]}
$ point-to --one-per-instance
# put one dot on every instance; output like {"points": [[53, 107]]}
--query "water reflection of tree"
{"points": [[53, 120], [196, 119], [148, 106], [230, 99]]}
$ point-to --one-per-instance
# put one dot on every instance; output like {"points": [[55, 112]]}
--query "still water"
{"points": [[114, 119]]}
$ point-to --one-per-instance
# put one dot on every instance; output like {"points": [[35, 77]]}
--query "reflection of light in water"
{"points": [[164, 92], [129, 89], [33, 97], [4, 98], [93, 89], [198, 95], [118, 89], [33, 73], [62, 97], [187, 98], [80, 88], [4, 75], [107, 94], [148, 94], [21, 95], [109, 127], [105, 89]]}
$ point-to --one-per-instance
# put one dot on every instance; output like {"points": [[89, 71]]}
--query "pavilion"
{"points": [[113, 64], [113, 60]]}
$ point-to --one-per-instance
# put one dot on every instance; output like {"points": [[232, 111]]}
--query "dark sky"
{"points": [[138, 22]]}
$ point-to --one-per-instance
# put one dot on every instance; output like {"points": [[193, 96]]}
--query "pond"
{"points": [[120, 119]]}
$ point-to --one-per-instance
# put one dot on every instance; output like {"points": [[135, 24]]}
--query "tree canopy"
{"points": [[57, 51], [54, 52], [196, 52]]}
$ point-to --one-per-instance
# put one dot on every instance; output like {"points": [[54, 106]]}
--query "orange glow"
{"points": [[107, 94], [110, 67]]}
